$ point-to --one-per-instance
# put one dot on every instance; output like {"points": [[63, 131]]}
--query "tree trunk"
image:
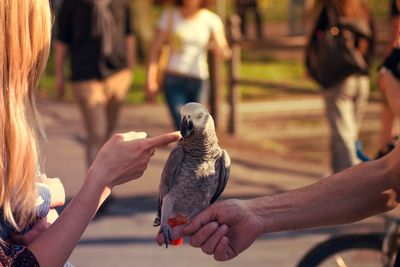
{"points": [[143, 24]]}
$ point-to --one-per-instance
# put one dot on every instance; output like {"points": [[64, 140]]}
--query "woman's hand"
{"points": [[56, 190], [224, 52], [152, 85], [221, 45], [37, 229], [125, 157], [152, 88]]}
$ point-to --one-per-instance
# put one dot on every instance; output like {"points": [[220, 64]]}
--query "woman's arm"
{"points": [[221, 43], [56, 188], [130, 41], [53, 247], [152, 84], [123, 158]]}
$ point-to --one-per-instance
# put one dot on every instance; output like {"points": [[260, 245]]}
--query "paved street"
{"points": [[124, 236]]}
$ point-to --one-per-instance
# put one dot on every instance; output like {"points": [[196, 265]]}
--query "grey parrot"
{"points": [[195, 173]]}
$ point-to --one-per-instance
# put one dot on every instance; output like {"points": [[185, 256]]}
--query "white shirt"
{"points": [[189, 38]]}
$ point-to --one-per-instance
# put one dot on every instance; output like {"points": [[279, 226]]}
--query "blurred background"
{"points": [[270, 118]]}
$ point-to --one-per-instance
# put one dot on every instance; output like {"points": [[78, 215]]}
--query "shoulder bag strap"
{"points": [[333, 16], [170, 24]]}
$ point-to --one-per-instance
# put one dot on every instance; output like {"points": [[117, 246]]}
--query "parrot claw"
{"points": [[167, 232]]}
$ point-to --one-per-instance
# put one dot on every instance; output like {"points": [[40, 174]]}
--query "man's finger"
{"points": [[223, 251], [211, 243], [162, 140], [176, 234], [198, 221], [206, 232]]}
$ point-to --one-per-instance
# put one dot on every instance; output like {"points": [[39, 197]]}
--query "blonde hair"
{"points": [[25, 27]]}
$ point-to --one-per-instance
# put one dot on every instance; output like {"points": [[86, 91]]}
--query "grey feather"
{"points": [[167, 177], [224, 170], [196, 171]]}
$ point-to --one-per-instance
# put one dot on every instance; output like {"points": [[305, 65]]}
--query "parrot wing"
{"points": [[224, 168], [167, 177]]}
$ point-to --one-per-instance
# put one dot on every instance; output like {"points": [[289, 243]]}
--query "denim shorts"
{"points": [[179, 90]]}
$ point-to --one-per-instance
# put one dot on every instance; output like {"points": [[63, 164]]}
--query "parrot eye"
{"points": [[201, 115]]}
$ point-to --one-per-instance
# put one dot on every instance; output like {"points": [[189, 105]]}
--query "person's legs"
{"points": [[194, 89], [241, 11], [204, 98], [296, 19], [391, 89], [388, 129], [390, 114], [340, 111], [258, 21], [361, 99], [91, 100], [117, 87], [176, 96]]}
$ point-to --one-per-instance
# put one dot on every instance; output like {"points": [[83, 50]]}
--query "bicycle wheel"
{"points": [[346, 251]]}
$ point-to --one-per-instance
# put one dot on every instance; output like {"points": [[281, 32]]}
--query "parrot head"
{"points": [[194, 118]]}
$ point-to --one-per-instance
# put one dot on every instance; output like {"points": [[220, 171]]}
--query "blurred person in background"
{"points": [[188, 29], [24, 49], [297, 13], [97, 35], [244, 8], [389, 75], [347, 99]]}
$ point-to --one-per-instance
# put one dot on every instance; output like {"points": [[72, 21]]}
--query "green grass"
{"points": [[290, 73], [135, 95], [275, 11]]}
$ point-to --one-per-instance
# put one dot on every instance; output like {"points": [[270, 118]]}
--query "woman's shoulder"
{"points": [[167, 15], [206, 13], [210, 17], [169, 10]]}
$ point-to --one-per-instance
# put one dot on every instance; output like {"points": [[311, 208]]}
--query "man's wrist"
{"points": [[256, 207], [273, 215]]}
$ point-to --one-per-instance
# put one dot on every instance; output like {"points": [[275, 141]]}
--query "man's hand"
{"points": [[225, 229]]}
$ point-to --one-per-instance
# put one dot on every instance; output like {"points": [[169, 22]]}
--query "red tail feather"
{"points": [[176, 221]]}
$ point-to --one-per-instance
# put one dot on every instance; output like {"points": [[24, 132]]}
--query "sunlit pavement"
{"points": [[124, 235]]}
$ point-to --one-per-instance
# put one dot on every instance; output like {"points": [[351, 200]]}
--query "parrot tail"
{"points": [[176, 221]]}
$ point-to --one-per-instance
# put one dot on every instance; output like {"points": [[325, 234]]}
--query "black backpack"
{"points": [[333, 55]]}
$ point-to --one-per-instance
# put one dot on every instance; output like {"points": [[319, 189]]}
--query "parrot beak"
{"points": [[187, 129]]}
